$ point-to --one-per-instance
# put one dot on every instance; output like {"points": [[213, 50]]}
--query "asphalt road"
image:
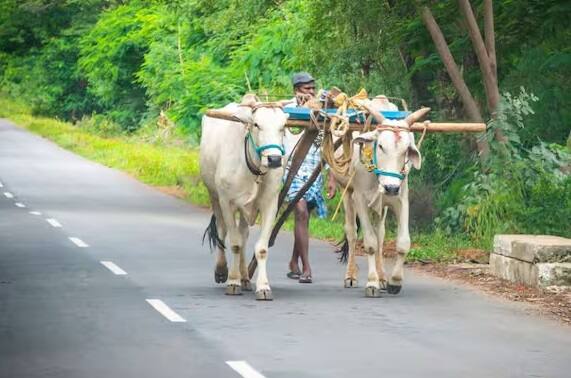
{"points": [[64, 314]]}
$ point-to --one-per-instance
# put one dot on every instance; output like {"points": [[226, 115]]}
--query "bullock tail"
{"points": [[343, 246], [343, 249], [212, 233]]}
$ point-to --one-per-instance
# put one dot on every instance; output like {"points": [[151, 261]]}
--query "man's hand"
{"points": [[331, 186]]}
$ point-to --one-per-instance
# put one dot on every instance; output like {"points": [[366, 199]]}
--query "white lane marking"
{"points": [[77, 241], [54, 222], [20, 204], [113, 268], [8, 195], [35, 213], [244, 369], [166, 311]]}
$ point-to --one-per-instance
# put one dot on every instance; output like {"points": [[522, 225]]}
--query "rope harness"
{"points": [[249, 138]]}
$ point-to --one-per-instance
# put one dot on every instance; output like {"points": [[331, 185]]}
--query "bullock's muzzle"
{"points": [[391, 190], [274, 161]]}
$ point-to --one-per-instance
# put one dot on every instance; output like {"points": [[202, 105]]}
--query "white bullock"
{"points": [[241, 164], [381, 165]]}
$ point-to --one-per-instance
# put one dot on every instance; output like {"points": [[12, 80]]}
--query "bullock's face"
{"points": [[393, 150], [268, 133]]}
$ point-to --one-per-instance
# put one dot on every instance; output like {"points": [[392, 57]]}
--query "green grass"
{"points": [[163, 165], [437, 246]]}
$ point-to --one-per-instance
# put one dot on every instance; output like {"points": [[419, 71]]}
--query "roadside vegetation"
{"points": [[128, 82]]}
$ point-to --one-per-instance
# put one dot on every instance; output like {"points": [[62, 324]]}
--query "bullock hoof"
{"points": [[246, 285], [264, 295], [350, 283], [383, 285], [393, 289], [233, 290], [221, 275], [372, 292]]}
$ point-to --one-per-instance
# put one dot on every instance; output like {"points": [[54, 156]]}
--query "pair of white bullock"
{"points": [[242, 166]]}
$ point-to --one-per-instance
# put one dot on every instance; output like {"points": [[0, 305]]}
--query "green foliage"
{"points": [[352, 48], [100, 125], [521, 191], [39, 54], [112, 54], [548, 73], [272, 50]]}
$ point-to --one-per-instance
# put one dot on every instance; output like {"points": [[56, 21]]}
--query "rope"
{"points": [[425, 124], [339, 127], [343, 196]]}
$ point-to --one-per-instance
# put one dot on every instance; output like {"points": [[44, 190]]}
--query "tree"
{"points": [[486, 54]]}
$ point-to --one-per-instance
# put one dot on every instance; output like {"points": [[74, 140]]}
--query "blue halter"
{"points": [[379, 172], [260, 149]]}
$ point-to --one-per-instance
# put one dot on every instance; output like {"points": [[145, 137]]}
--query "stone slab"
{"points": [[534, 248], [543, 275], [513, 270]]}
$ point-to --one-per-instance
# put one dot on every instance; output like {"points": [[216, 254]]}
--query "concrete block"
{"points": [[534, 260], [513, 270], [534, 248]]}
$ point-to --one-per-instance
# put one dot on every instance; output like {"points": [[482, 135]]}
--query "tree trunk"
{"points": [[470, 105], [489, 36], [490, 83], [487, 63]]}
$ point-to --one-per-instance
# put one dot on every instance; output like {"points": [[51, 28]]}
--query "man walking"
{"points": [[304, 88]]}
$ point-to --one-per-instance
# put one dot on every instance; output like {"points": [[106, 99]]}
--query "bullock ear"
{"points": [[244, 114], [369, 137], [414, 156]]}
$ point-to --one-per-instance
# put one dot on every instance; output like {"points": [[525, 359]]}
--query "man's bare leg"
{"points": [[294, 262], [302, 238]]}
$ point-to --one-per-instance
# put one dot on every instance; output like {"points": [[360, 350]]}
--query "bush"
{"points": [[100, 125]]}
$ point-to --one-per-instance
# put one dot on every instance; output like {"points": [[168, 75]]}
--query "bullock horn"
{"points": [[249, 99], [412, 118], [376, 114]]}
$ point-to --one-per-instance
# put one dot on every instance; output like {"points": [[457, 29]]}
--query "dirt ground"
{"points": [[551, 304], [472, 269], [175, 191]]}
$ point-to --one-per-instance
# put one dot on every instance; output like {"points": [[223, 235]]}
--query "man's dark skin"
{"points": [[301, 210]]}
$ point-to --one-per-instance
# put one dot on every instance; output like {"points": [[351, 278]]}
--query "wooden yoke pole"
{"points": [[431, 127]]}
